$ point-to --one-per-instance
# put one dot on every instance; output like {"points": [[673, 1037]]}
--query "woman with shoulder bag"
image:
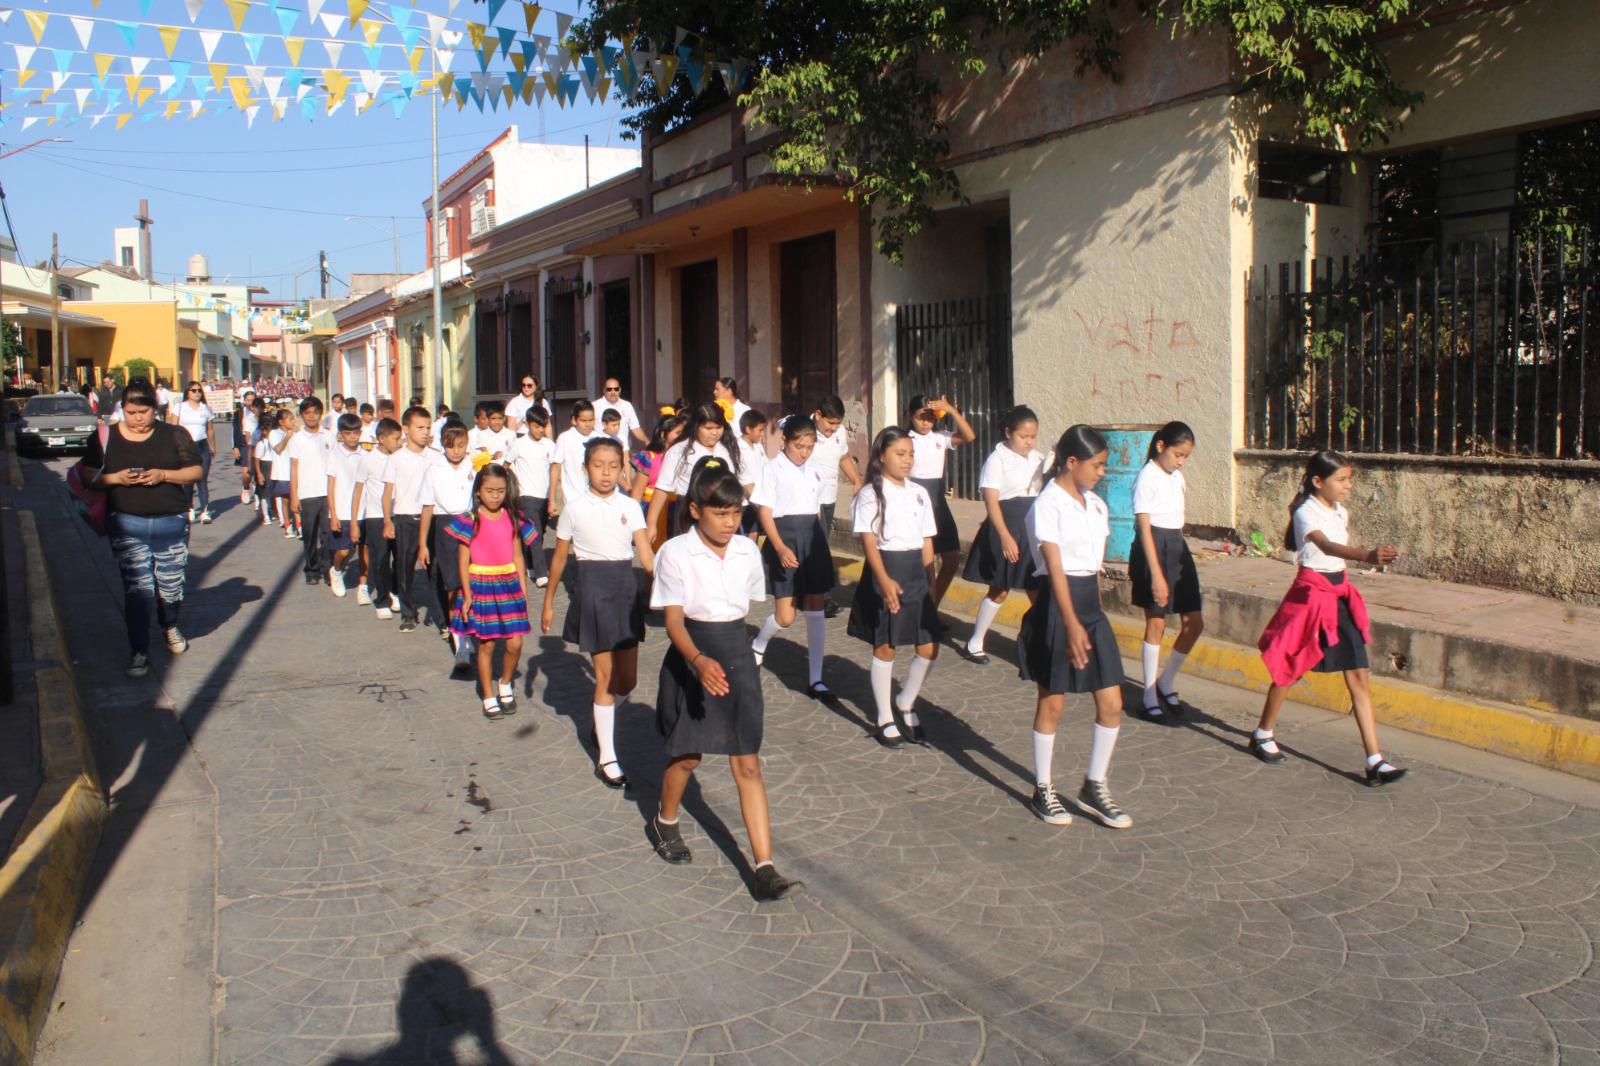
{"points": [[146, 468]]}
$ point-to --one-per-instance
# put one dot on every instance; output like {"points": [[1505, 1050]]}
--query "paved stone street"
{"points": [[379, 847]]}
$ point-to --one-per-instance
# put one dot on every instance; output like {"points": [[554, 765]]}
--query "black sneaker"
{"points": [[1047, 806], [1384, 774], [771, 885], [830, 609], [1094, 799], [668, 842], [408, 625], [139, 665]]}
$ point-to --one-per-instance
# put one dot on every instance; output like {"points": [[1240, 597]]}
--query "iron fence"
{"points": [[960, 349], [1485, 354]]}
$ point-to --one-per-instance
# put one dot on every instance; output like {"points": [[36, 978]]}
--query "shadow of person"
{"points": [[438, 1006]]}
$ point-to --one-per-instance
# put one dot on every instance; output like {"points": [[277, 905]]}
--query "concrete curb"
{"points": [[42, 882], [1558, 742]]}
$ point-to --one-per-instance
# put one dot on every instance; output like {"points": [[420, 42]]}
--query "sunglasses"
{"points": [[195, 390], [529, 385], [613, 388]]}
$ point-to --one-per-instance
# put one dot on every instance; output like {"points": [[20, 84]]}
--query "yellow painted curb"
{"points": [[41, 883], [1559, 742]]}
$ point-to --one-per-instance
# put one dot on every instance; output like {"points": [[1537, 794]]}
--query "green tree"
{"points": [[13, 351], [139, 368], [854, 85]]}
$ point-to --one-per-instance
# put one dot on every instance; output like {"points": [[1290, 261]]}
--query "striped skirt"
{"points": [[499, 605]]}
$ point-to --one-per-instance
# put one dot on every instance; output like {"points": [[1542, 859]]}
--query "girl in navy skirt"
{"points": [[931, 448], [1161, 567], [1011, 477], [492, 606], [603, 529], [893, 605], [1322, 624], [1066, 643], [708, 700], [799, 565]]}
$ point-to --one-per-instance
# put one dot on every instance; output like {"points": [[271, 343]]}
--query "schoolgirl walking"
{"points": [[932, 448], [1161, 568], [1009, 482]]}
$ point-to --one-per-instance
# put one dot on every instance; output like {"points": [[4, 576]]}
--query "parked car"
{"points": [[55, 423]]}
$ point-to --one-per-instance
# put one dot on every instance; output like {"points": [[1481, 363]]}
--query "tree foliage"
{"points": [[854, 85], [11, 350]]}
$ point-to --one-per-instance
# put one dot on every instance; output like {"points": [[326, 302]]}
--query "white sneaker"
{"points": [[541, 582], [244, 495], [363, 597], [288, 533], [384, 613], [336, 582], [266, 520], [394, 602], [205, 518]]}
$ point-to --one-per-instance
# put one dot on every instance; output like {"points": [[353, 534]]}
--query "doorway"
{"points": [[617, 335], [807, 309], [702, 357]]}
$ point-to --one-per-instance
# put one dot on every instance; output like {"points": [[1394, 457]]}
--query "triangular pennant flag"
{"points": [[334, 49], [530, 14], [294, 45], [113, 98], [287, 17], [208, 42], [195, 107], [169, 38], [180, 74], [277, 112], [551, 80], [308, 109], [563, 24], [83, 28], [274, 87], [292, 79], [408, 82], [451, 38], [313, 9], [238, 9], [415, 58], [102, 63], [194, 7], [5, 16], [22, 77], [252, 44], [172, 108], [201, 87], [357, 9], [436, 25], [539, 90], [372, 81], [475, 32], [400, 15], [254, 75], [494, 9], [58, 79], [132, 81], [398, 102], [337, 82], [331, 22], [446, 82], [130, 33], [374, 54], [36, 22], [138, 63], [527, 91], [410, 35], [591, 67], [519, 62], [95, 120], [303, 90], [122, 119], [483, 56], [144, 7], [144, 94], [82, 96], [507, 36], [370, 28], [443, 57], [25, 55], [250, 114], [63, 58], [164, 83], [219, 75]]}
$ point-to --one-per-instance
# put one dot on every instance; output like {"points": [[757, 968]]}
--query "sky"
{"points": [[258, 200]]}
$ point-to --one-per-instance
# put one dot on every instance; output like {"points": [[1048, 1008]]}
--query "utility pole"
{"points": [[55, 313], [433, 239], [585, 160], [322, 260], [394, 226]]}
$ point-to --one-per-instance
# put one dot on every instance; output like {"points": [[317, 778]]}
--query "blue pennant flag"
{"points": [[113, 98], [202, 86], [507, 37], [292, 79], [515, 80], [590, 67], [609, 55], [180, 73], [287, 17], [398, 101], [308, 109], [408, 82], [63, 59], [252, 44], [374, 55], [494, 9], [144, 7], [130, 33], [530, 52]]}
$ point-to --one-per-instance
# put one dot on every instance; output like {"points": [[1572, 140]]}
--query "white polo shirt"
{"points": [[630, 417], [311, 451], [530, 463], [279, 461], [790, 489], [828, 454], [1012, 474], [569, 453], [907, 516], [928, 452], [448, 489], [601, 527], [709, 587], [518, 406], [344, 467], [677, 463], [1079, 530], [487, 440], [1314, 516], [405, 471], [1159, 495], [371, 474]]}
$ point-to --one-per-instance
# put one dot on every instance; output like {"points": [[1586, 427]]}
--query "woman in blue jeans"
{"points": [[146, 468]]}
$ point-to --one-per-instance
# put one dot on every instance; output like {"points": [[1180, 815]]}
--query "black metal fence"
{"points": [[1486, 354], [960, 349]]}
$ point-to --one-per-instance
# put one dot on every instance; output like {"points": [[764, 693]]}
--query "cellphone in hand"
{"points": [[136, 471]]}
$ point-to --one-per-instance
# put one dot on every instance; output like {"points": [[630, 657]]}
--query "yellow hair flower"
{"points": [[481, 460]]}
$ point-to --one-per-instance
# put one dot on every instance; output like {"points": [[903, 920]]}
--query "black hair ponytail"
{"points": [[1323, 464], [1169, 436], [798, 426], [1016, 418], [499, 470], [880, 444], [1079, 442], [712, 483]]}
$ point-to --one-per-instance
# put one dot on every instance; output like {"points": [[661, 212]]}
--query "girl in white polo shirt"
{"points": [[932, 449], [707, 434], [1161, 568], [1010, 479], [708, 698], [603, 529], [788, 499], [893, 604], [1066, 644]]}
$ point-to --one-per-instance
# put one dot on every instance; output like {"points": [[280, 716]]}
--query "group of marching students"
{"points": [[717, 520]]}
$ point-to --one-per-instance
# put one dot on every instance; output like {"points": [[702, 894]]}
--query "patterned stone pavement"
{"points": [[399, 880]]}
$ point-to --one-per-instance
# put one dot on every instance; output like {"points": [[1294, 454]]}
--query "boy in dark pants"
{"points": [[402, 508], [308, 452], [446, 492], [530, 456], [377, 550]]}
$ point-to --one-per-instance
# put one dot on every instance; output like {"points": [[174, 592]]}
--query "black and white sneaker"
{"points": [[139, 665], [177, 643], [1047, 806], [1094, 799]]}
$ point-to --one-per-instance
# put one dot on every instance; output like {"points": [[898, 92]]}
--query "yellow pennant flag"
{"points": [[446, 82], [357, 9], [415, 58], [238, 9], [219, 74], [509, 93], [132, 81], [293, 45], [669, 70], [527, 91], [370, 29], [475, 31], [241, 92], [337, 82], [520, 61], [172, 109], [144, 94], [23, 77], [102, 63], [169, 39], [122, 119], [530, 13], [36, 22], [368, 105], [45, 94], [550, 83]]}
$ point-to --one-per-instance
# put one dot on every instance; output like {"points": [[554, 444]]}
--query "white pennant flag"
{"points": [[95, 120], [164, 82], [436, 25], [83, 28], [208, 41], [24, 55], [194, 7], [538, 91], [313, 9], [255, 74], [250, 115], [451, 38], [372, 81], [361, 101], [335, 49], [83, 98], [5, 15], [58, 78], [139, 63], [443, 56], [27, 122], [331, 22], [453, 4], [274, 87], [301, 91], [195, 106]]}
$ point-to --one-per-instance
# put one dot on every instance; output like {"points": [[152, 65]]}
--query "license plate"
{"points": [[55, 442]]}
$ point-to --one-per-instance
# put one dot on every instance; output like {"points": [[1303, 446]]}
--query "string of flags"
{"points": [[100, 69]]}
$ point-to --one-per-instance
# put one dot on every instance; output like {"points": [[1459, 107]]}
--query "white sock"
{"points": [[769, 629], [1044, 751], [914, 679], [987, 610], [816, 640], [605, 724], [1264, 736], [505, 688], [1100, 751], [1150, 656], [1170, 673], [882, 690], [490, 704], [1378, 762]]}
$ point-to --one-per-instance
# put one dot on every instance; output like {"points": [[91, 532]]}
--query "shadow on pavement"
{"points": [[438, 1007]]}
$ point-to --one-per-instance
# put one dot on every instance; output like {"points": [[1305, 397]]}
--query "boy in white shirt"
{"points": [[308, 486], [402, 507], [530, 457], [447, 492], [369, 427], [344, 496], [377, 550], [566, 469], [492, 435], [832, 454]]}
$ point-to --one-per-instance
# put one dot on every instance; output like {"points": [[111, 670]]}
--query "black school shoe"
{"points": [[880, 733], [830, 609], [1377, 777], [313, 579], [1272, 758], [1170, 702], [771, 885], [822, 693], [618, 782], [668, 842]]}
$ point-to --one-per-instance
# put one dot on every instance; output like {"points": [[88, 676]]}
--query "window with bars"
{"points": [[1304, 175]]}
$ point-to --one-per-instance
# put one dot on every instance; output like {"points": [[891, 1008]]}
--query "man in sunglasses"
{"points": [[611, 400], [518, 405]]}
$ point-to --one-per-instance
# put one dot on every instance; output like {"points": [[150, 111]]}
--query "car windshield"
{"points": [[40, 406]]}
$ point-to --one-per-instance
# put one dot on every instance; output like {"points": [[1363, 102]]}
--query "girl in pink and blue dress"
{"points": [[492, 606]]}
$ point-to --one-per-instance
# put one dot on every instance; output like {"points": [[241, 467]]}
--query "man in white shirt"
{"points": [[402, 507], [308, 486], [611, 400]]}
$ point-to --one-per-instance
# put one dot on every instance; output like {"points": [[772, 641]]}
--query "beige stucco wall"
{"points": [[1521, 532], [691, 146]]}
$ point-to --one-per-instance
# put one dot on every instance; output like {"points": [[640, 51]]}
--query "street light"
{"points": [[393, 231], [35, 144]]}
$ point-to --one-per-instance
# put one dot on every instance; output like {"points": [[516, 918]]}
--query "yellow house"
{"points": [[150, 331]]}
